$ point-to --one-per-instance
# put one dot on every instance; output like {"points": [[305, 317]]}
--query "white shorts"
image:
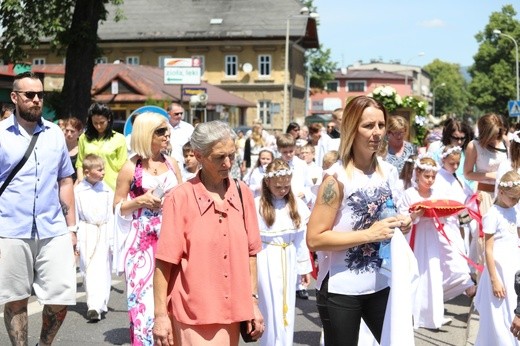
{"points": [[46, 265]]}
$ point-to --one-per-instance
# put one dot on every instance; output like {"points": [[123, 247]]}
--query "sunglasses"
{"points": [[30, 94], [178, 113], [458, 138], [161, 131]]}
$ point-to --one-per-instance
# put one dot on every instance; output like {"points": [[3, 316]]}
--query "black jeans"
{"points": [[341, 314]]}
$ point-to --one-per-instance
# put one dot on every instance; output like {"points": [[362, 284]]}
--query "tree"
{"points": [[453, 97], [493, 73], [70, 25], [321, 67]]}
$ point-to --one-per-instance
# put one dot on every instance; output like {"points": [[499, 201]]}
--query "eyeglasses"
{"points": [[458, 138], [161, 131], [396, 134], [330, 127], [30, 94], [178, 113]]}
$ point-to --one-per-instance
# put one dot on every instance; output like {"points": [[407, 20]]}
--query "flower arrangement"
{"points": [[388, 97]]}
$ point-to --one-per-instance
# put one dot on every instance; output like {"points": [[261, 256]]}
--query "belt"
{"points": [[486, 187]]}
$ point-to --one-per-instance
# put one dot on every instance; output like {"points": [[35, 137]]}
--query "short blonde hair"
{"points": [[330, 158], [92, 161], [513, 188], [142, 133]]}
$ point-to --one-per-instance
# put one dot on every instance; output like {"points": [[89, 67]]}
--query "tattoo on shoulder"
{"points": [[329, 193]]}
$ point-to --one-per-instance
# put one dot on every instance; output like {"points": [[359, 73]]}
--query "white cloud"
{"points": [[432, 23]]}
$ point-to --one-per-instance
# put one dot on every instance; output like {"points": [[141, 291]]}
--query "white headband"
{"points": [[516, 136], [426, 166], [451, 151], [509, 183], [279, 173]]}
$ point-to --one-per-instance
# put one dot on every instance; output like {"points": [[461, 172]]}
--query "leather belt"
{"points": [[486, 187]]}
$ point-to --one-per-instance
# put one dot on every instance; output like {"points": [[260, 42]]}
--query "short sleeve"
{"points": [[171, 243], [251, 221], [490, 222]]}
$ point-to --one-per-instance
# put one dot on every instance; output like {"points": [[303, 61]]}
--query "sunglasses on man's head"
{"points": [[30, 94]]}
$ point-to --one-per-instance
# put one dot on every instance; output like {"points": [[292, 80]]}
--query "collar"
{"points": [[204, 199], [98, 187], [12, 124]]}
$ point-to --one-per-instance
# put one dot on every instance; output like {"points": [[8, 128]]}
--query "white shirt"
{"points": [[180, 135]]}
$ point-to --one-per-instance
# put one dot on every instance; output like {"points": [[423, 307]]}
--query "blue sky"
{"points": [[401, 29]]}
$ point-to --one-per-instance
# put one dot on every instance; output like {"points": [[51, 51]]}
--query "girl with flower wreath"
{"points": [[444, 273], [282, 221], [496, 298], [254, 178], [142, 182]]}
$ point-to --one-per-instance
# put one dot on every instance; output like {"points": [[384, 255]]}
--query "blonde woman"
{"points": [[142, 182]]}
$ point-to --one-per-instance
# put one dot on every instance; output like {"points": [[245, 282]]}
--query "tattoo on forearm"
{"points": [[329, 194], [51, 323], [16, 324], [65, 208]]}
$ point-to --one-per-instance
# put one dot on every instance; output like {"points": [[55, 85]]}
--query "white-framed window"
{"points": [[101, 60], [231, 65], [201, 61], [38, 61], [162, 58], [264, 65], [356, 86], [264, 111], [332, 86], [132, 60]]}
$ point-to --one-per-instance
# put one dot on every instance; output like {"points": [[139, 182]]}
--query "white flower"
{"points": [[419, 120], [398, 99]]}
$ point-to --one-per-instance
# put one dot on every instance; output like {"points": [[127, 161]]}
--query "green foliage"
{"points": [[494, 70], [418, 105], [453, 97], [321, 67]]}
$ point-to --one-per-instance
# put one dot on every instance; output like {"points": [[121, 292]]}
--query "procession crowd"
{"points": [[218, 233]]}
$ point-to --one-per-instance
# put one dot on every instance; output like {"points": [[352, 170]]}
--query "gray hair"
{"points": [[207, 134]]}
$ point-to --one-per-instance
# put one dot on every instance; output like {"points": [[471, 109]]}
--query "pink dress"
{"points": [[139, 252]]}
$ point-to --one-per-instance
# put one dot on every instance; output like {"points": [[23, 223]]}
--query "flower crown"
{"points": [[279, 173], [451, 151], [509, 183], [516, 136], [426, 166]]}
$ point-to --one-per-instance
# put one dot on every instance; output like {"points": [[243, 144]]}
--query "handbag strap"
{"points": [[21, 163]]}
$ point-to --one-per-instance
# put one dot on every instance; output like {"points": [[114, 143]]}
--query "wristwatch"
{"points": [[73, 229]]}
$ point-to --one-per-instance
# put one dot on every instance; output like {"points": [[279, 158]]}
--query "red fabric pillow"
{"points": [[438, 207]]}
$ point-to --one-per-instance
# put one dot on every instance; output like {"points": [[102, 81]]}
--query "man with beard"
{"points": [[37, 236]]}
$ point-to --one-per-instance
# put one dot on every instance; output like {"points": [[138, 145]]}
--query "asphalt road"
{"points": [[113, 329]]}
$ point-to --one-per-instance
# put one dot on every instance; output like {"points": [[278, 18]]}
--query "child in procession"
{"points": [[95, 217], [496, 298], [444, 273], [282, 220]]}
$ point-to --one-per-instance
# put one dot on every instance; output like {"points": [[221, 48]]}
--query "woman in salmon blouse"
{"points": [[209, 235]]}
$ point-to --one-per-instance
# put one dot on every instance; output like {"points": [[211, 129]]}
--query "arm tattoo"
{"points": [[329, 194], [65, 208]]}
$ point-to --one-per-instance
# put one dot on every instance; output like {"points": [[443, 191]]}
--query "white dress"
{"points": [[284, 255], [95, 220], [444, 273], [497, 314]]}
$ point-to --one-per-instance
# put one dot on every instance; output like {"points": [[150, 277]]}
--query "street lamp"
{"points": [[408, 62], [304, 12], [498, 32], [433, 96]]}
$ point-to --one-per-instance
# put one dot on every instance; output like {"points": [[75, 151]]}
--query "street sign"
{"points": [[179, 62], [181, 75], [514, 108], [190, 91]]}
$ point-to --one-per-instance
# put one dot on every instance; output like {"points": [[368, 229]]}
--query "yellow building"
{"points": [[240, 45]]}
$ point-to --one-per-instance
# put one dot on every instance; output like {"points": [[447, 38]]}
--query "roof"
{"points": [[162, 20], [368, 74], [144, 82]]}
